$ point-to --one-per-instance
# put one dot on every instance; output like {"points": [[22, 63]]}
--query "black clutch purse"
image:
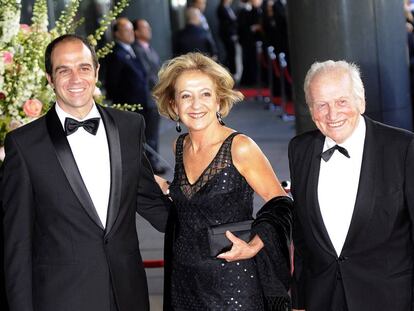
{"points": [[219, 243]]}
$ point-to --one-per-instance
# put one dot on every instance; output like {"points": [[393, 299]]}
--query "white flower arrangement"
{"points": [[24, 92]]}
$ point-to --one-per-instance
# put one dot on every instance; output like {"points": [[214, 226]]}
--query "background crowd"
{"points": [[130, 72]]}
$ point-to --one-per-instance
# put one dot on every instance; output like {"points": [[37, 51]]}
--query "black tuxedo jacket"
{"points": [[125, 79], [376, 263], [227, 22], [58, 257]]}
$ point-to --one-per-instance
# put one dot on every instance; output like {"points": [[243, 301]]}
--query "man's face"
{"points": [[143, 32], [125, 32], [334, 107], [73, 77], [256, 3], [200, 4]]}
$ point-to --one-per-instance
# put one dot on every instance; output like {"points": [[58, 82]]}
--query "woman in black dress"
{"points": [[217, 171]]}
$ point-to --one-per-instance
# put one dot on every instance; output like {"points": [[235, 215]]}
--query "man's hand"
{"points": [[240, 249]]}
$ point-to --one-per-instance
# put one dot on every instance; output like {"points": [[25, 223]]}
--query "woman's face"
{"points": [[195, 100]]}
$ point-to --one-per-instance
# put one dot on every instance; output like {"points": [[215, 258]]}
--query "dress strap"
{"points": [[231, 136], [228, 142], [179, 148]]}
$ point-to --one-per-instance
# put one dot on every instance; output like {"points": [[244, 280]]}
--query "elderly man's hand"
{"points": [[240, 249]]}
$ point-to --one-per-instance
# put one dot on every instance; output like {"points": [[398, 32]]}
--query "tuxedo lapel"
{"points": [[68, 164], [364, 202], [112, 135], [318, 226]]}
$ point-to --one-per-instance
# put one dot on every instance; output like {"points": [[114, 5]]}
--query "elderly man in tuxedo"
{"points": [[70, 186], [353, 188]]}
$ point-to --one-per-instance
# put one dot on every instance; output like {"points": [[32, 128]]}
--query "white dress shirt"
{"points": [[338, 185], [91, 153]]}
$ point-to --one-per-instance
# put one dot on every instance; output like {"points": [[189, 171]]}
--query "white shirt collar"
{"points": [[356, 140], [126, 46], [94, 113]]}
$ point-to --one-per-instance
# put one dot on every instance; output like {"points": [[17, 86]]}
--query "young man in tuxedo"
{"points": [[71, 184], [353, 189]]}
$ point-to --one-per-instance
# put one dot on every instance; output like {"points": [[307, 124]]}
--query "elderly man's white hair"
{"points": [[329, 66]]}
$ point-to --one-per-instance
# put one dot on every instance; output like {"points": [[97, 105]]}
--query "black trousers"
{"points": [[112, 303], [230, 60]]}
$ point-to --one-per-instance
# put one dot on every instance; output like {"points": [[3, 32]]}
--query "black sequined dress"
{"points": [[220, 195]]}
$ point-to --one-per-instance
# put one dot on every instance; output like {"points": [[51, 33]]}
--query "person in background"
{"points": [[70, 186], [194, 38], [228, 33], [409, 25], [151, 62], [250, 31], [126, 80], [352, 182], [216, 173], [201, 5]]}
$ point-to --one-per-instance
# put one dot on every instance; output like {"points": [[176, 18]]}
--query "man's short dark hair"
{"points": [[68, 37], [135, 24], [115, 26]]}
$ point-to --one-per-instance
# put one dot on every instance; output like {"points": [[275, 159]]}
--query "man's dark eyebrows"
{"points": [[60, 67], [86, 65]]}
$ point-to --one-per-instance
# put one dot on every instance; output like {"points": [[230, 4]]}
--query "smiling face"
{"points": [[73, 77], [195, 100], [333, 105]]}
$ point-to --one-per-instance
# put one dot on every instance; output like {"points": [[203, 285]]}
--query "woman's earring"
{"points": [[177, 125], [219, 118]]}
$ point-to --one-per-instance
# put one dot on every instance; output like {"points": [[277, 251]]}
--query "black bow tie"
{"points": [[327, 154], [89, 125]]}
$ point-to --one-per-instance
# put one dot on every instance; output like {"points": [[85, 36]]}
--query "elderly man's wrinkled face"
{"points": [[334, 107]]}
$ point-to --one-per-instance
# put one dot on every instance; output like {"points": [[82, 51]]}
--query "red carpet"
{"points": [[251, 93]]}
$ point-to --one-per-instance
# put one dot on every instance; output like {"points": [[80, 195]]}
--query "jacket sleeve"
{"points": [[409, 194], [297, 287], [152, 204], [17, 201]]}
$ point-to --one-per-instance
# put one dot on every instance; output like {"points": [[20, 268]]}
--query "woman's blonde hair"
{"points": [[164, 91]]}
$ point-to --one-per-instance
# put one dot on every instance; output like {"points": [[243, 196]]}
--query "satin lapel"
{"points": [[318, 226], [364, 202], [68, 164], [112, 135]]}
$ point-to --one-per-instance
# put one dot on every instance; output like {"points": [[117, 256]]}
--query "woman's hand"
{"points": [[240, 249], [163, 183]]}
